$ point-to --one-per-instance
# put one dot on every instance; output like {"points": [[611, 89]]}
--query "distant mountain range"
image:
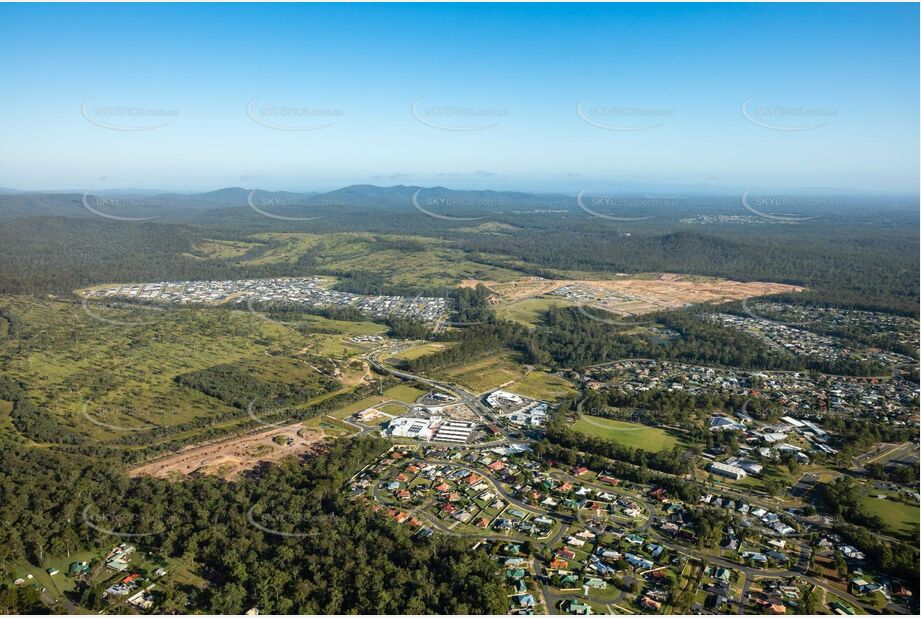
{"points": [[240, 204]]}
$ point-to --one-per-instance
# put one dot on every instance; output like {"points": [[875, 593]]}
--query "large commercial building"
{"points": [[408, 427], [733, 472], [435, 429], [454, 431]]}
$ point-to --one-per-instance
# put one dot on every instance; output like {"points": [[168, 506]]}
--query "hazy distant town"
{"points": [[303, 291]]}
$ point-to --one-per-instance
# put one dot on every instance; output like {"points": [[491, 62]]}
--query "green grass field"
{"points": [[331, 337], [422, 350], [5, 408], [55, 584], [392, 408], [628, 434], [900, 518], [331, 427], [542, 385], [342, 327], [485, 374], [400, 392], [530, 312]]}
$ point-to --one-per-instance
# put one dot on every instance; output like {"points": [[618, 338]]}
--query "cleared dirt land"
{"points": [[228, 458], [633, 295]]}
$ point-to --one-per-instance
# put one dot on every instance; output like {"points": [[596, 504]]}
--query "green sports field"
{"points": [[900, 518], [634, 435]]}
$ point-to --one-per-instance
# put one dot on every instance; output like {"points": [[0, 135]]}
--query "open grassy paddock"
{"points": [[900, 518], [530, 312], [5, 408], [422, 350], [629, 434], [542, 385], [400, 392], [485, 374]]}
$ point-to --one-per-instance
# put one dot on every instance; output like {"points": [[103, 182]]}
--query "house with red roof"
{"points": [[566, 553]]}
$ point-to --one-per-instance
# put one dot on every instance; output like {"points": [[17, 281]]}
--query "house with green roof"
{"points": [[575, 606], [569, 581], [595, 582]]}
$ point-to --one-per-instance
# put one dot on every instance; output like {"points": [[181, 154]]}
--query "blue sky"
{"points": [[829, 95]]}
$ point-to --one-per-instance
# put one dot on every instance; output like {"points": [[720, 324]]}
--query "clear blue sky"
{"points": [[680, 72]]}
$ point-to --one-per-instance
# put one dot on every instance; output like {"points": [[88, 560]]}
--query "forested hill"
{"points": [[850, 260], [867, 270]]}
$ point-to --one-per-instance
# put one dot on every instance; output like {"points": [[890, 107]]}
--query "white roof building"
{"points": [[503, 399], [724, 423], [733, 472], [408, 427]]}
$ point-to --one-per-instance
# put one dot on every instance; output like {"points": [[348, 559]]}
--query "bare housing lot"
{"points": [[634, 296], [228, 458]]}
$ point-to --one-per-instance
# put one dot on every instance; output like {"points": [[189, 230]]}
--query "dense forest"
{"points": [[343, 558], [894, 473]]}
